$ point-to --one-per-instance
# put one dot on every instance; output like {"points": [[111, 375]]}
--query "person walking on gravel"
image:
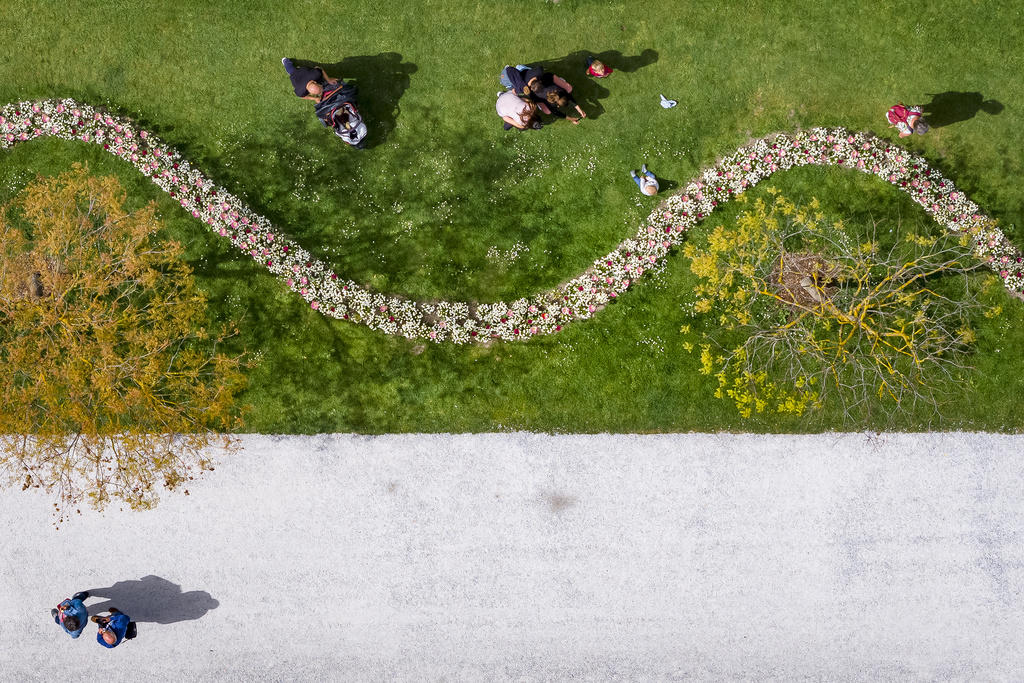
{"points": [[113, 629], [72, 614]]}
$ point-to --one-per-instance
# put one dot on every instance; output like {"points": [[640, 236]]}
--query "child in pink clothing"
{"points": [[907, 120], [597, 68]]}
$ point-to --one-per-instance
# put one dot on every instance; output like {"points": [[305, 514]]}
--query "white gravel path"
{"points": [[523, 556]]}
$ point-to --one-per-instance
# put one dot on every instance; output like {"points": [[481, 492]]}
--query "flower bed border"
{"points": [[544, 313]]}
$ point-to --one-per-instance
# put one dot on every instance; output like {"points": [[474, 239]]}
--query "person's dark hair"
{"points": [[555, 95], [921, 127], [71, 622]]}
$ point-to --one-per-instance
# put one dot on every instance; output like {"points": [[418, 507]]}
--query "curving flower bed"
{"points": [[544, 313]]}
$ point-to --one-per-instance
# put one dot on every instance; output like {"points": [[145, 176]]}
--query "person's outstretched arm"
{"points": [[326, 77], [514, 121]]}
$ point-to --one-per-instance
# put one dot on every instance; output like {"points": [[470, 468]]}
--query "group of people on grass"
{"points": [[530, 91], [72, 615]]}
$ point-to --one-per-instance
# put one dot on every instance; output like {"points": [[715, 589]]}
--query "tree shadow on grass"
{"points": [[953, 107], [382, 80], [587, 90]]}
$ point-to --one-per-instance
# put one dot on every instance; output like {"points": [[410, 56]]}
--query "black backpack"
{"points": [[131, 631]]}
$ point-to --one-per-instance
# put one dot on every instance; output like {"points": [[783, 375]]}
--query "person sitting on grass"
{"points": [[308, 83], [597, 68], [548, 91], [557, 97], [521, 78], [516, 112], [646, 181]]}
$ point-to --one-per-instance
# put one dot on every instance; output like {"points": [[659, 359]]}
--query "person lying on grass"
{"points": [[308, 83]]}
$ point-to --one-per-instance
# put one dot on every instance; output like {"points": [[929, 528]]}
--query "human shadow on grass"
{"points": [[666, 186], [382, 80], [587, 90], [953, 107], [153, 599]]}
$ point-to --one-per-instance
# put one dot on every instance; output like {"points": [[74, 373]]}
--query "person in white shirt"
{"points": [[646, 181], [516, 112]]}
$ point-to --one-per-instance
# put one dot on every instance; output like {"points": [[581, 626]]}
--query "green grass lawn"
{"points": [[447, 205]]}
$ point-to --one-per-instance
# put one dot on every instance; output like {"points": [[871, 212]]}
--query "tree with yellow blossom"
{"points": [[802, 311], [112, 384]]}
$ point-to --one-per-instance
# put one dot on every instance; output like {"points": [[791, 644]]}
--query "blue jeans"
{"points": [[639, 182], [504, 79]]}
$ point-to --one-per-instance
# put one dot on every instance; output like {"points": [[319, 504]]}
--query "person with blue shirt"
{"points": [[113, 628], [72, 614]]}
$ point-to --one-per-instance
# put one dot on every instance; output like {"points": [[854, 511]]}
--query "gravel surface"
{"points": [[525, 556]]}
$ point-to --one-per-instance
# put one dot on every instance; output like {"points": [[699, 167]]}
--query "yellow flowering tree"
{"points": [[803, 311], [111, 384]]}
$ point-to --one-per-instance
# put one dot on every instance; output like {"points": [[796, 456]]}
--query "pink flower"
{"points": [[314, 305]]}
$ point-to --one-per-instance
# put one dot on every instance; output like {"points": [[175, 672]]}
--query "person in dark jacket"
{"points": [[112, 629], [521, 78], [308, 83], [548, 91], [72, 614], [557, 97]]}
